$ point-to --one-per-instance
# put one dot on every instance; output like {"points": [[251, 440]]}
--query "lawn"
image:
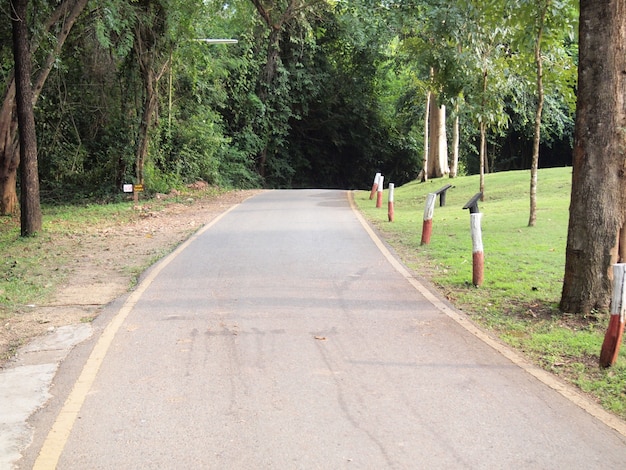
{"points": [[523, 270]]}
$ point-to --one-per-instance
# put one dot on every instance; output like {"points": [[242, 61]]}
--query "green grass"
{"points": [[32, 267], [523, 269]]}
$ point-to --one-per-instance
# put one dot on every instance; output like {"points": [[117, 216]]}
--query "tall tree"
{"points": [[275, 15], [153, 59], [596, 234], [540, 23], [31, 220], [542, 30], [488, 30], [61, 21]]}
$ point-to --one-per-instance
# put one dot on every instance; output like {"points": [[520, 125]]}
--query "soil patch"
{"points": [[105, 262]]}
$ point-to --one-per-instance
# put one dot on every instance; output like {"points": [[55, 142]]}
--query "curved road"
{"points": [[281, 337]]}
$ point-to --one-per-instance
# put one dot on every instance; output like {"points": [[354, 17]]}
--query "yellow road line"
{"points": [[566, 390], [59, 434]]}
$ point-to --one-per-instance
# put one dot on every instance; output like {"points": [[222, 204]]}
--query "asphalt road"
{"points": [[281, 337]]}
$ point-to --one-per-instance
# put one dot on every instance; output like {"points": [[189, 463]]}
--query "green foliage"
{"points": [[113, 23], [466, 41], [347, 98]]}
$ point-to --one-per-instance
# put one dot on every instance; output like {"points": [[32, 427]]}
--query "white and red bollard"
{"points": [[390, 212], [615, 331], [427, 226], [379, 194], [374, 186], [478, 256]]}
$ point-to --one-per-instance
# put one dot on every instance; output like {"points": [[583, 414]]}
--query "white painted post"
{"points": [[427, 226], [390, 212], [478, 257], [374, 186], [379, 196], [615, 331]]}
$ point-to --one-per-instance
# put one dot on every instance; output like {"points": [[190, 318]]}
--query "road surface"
{"points": [[281, 337]]}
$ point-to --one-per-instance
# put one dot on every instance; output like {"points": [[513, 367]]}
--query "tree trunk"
{"points": [[534, 168], [483, 138], [265, 87], [31, 220], [438, 147], [149, 108], [482, 156], [147, 37], [598, 200], [9, 153], [426, 136], [454, 167]]}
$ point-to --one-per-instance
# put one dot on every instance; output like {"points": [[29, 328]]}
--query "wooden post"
{"points": [[374, 186], [427, 226], [615, 331], [390, 213], [381, 187], [478, 257]]}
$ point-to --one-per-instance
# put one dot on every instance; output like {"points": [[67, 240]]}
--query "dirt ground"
{"points": [[105, 261]]}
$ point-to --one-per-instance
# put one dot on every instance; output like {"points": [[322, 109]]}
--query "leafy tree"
{"points": [[131, 86], [545, 27], [59, 22]]}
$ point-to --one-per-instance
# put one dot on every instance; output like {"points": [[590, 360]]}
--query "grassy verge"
{"points": [[523, 270], [32, 268]]}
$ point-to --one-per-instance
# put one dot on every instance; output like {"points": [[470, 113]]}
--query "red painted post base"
{"points": [[375, 185], [374, 190], [427, 230], [478, 268], [390, 212], [612, 342]]}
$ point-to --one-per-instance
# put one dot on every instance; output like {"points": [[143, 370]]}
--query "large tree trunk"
{"points": [[66, 14], [598, 200], [31, 221], [438, 154]]}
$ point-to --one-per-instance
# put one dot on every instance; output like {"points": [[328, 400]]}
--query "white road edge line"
{"points": [[55, 441], [548, 379]]}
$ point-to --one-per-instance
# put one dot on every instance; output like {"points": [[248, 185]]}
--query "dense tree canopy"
{"points": [[315, 92]]}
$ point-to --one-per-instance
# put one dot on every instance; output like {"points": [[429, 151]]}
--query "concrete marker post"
{"points": [[615, 331], [390, 212], [374, 186], [427, 226], [379, 196], [478, 257]]}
